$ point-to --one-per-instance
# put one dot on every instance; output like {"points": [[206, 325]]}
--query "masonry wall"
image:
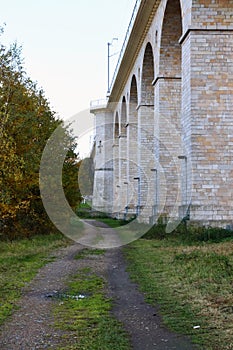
{"points": [[211, 94], [123, 171], [181, 124], [103, 177], [212, 14], [168, 113], [146, 160], [132, 156]]}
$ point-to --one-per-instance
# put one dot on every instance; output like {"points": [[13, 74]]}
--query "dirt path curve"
{"points": [[31, 326]]}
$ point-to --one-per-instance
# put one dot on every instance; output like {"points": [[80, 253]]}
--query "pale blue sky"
{"points": [[65, 45]]}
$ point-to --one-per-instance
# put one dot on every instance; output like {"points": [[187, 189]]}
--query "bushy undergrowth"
{"points": [[189, 233], [84, 211]]}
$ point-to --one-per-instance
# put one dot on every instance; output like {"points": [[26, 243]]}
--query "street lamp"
{"points": [[186, 178], [109, 44], [139, 195], [127, 200], [156, 191]]}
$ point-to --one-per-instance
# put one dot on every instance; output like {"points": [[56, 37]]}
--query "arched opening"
{"points": [[145, 137], [147, 90], [123, 117], [123, 158], [133, 93], [170, 49], [168, 87], [132, 149]]}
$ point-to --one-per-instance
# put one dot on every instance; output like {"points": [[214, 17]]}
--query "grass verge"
{"points": [[192, 285], [83, 314], [112, 222], [19, 262], [88, 252]]}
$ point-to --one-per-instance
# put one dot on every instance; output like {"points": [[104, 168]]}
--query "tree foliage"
{"points": [[26, 123], [86, 176]]}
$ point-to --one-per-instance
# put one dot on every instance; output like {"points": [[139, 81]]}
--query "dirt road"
{"points": [[31, 326]]}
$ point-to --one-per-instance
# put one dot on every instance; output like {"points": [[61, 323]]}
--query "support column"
{"points": [[168, 135], [103, 162], [133, 170], [116, 191], [123, 172], [208, 123], [146, 161]]}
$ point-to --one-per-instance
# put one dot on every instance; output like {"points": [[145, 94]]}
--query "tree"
{"points": [[26, 123], [86, 176]]}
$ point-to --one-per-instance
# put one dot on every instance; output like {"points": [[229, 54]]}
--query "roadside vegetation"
{"points": [[26, 123], [19, 262], [84, 211], [189, 274]]}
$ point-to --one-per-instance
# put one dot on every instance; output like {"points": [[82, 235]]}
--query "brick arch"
{"points": [[123, 117], [132, 148], [133, 100], [134, 91], [170, 49], [168, 92], [147, 90]]}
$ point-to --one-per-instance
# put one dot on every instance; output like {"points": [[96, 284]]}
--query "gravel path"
{"points": [[31, 326], [99, 235]]}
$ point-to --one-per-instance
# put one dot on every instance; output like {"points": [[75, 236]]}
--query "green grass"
{"points": [[87, 323], [19, 262], [84, 205], [84, 211], [88, 252], [112, 222], [192, 285], [188, 234]]}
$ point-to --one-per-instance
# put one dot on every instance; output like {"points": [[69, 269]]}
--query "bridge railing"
{"points": [[99, 104], [128, 32]]}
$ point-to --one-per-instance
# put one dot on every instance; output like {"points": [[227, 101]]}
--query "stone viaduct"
{"points": [[164, 136]]}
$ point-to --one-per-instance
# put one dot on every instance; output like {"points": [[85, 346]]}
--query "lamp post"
{"points": [[156, 191], [109, 44], [186, 178], [139, 195], [127, 200]]}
